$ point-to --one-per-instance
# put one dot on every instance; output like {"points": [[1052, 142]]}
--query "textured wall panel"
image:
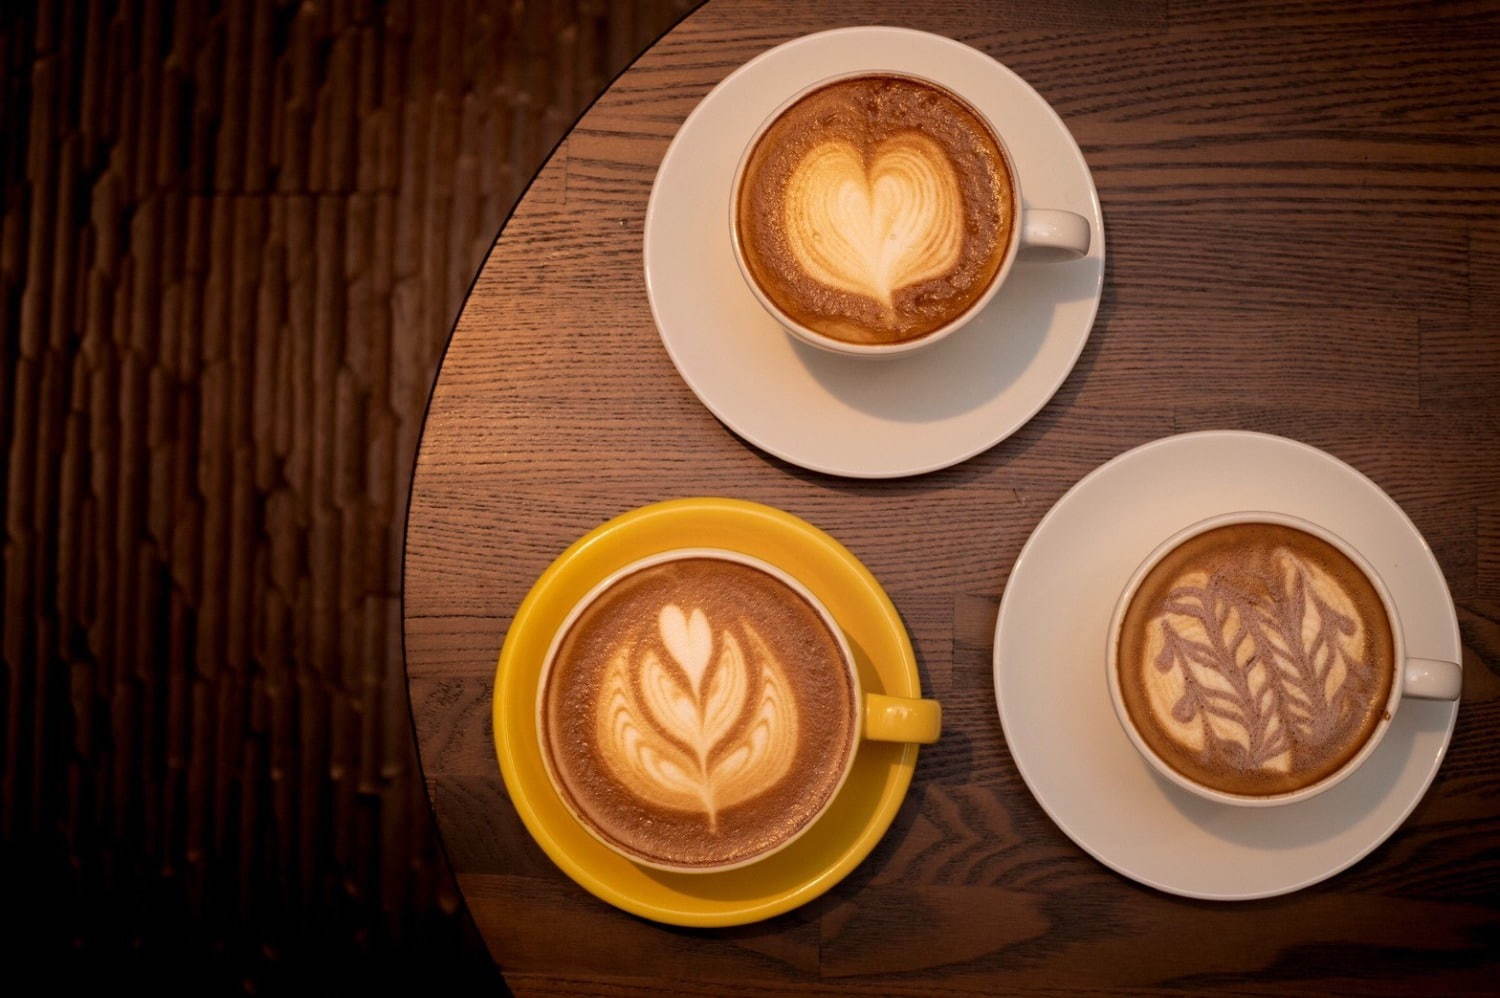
{"points": [[233, 241]]}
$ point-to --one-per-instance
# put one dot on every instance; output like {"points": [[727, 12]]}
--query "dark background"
{"points": [[233, 242]]}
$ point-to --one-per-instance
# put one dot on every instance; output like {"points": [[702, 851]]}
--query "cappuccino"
{"points": [[1256, 659], [698, 713], [875, 210]]}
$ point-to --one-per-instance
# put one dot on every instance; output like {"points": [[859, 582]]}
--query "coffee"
{"points": [[875, 210], [1256, 659], [698, 713]]}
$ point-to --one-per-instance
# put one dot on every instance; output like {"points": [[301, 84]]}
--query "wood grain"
{"points": [[1302, 206]]}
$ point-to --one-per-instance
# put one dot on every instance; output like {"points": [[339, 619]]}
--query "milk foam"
{"points": [[1260, 659], [693, 734], [876, 209], [871, 229], [698, 712]]}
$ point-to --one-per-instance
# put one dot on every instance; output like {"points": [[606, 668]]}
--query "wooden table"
{"points": [[1301, 206]]}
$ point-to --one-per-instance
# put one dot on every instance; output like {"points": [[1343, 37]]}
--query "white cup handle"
{"points": [[1049, 235], [1428, 679]]}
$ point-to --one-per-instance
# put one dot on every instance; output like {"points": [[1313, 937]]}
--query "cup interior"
{"points": [[678, 554], [1127, 597], [812, 336]]}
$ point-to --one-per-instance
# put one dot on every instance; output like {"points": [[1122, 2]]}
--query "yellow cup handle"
{"points": [[902, 719]]}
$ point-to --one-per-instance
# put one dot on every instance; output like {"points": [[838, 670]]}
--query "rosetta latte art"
{"points": [[1251, 673], [694, 731], [872, 229]]}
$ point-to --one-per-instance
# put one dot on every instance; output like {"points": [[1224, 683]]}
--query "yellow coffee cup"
{"points": [[875, 717]]}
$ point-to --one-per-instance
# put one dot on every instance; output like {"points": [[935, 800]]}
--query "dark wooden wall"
{"points": [[233, 241]]}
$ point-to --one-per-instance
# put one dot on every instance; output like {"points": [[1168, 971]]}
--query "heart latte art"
{"points": [[875, 210], [697, 713], [873, 230], [1256, 659]]}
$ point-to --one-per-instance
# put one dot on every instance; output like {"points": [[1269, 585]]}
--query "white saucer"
{"points": [[1049, 669], [847, 415]]}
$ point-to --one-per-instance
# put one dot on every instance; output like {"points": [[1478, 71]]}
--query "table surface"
{"points": [[1303, 233]]}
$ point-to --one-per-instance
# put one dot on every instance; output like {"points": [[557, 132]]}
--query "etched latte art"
{"points": [[1256, 659], [875, 210], [725, 735], [698, 713]]}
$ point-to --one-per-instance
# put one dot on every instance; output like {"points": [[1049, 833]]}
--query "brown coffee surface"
{"points": [[698, 713], [875, 209], [1256, 659]]}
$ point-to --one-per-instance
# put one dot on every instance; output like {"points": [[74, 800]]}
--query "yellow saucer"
{"points": [[855, 820]]}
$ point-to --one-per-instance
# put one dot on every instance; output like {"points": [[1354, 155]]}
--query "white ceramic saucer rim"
{"points": [[1010, 426], [1007, 725]]}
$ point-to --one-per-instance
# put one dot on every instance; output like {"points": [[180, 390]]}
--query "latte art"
{"points": [[1256, 659], [1239, 679], [725, 735], [871, 231], [698, 713], [876, 209]]}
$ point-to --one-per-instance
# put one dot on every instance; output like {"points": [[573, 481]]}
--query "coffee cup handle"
{"points": [[902, 719], [1049, 235], [1429, 679]]}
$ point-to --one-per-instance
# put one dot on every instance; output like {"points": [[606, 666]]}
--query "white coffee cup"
{"points": [[1423, 679], [876, 716], [1043, 234]]}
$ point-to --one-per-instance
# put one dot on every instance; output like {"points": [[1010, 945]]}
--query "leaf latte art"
{"points": [[697, 713], [870, 231], [1256, 668], [875, 210], [696, 733], [1245, 679]]}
